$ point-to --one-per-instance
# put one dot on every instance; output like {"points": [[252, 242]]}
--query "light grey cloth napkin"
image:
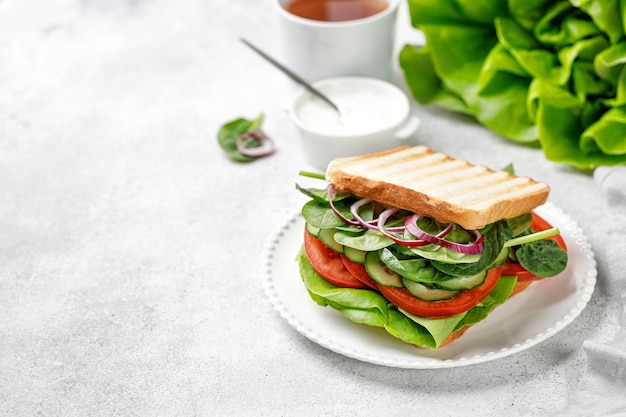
{"points": [[602, 389]]}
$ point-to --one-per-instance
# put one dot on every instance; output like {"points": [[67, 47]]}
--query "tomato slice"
{"points": [[359, 272], [328, 263], [539, 224], [511, 268], [444, 308], [339, 270]]}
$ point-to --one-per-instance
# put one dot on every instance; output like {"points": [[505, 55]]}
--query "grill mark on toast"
{"points": [[510, 194], [489, 193], [431, 180], [468, 185], [392, 164]]}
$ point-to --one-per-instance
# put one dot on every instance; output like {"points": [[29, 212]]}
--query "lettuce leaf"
{"points": [[546, 73], [369, 307]]}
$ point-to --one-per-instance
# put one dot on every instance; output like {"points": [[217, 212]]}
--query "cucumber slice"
{"points": [[312, 230], [439, 253], [502, 256], [427, 294], [463, 283], [371, 240], [379, 271], [327, 236], [355, 255]]}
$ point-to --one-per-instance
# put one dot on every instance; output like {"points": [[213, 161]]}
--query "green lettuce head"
{"points": [[539, 72]]}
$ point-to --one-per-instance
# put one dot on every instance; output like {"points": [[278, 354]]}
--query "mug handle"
{"points": [[408, 128]]}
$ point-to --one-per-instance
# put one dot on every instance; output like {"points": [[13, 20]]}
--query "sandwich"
{"points": [[421, 244]]}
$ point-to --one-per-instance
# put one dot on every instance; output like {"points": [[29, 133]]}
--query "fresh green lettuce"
{"points": [[369, 307], [540, 72]]}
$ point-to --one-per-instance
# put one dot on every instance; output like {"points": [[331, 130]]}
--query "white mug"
{"points": [[318, 49]]}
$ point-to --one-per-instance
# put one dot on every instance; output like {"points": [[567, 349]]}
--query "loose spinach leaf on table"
{"points": [[232, 131]]}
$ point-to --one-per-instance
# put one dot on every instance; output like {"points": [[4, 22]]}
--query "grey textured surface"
{"points": [[131, 246]]}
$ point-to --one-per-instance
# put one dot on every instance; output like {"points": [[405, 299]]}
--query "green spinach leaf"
{"points": [[416, 269], [230, 132], [520, 223], [322, 216], [494, 236], [543, 258], [320, 195]]}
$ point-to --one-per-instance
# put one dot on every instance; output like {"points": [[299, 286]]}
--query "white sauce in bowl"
{"points": [[366, 106]]}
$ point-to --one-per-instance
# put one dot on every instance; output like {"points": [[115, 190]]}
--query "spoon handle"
{"points": [[292, 75]]}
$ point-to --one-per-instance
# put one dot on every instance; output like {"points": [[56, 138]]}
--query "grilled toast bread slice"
{"points": [[436, 185]]}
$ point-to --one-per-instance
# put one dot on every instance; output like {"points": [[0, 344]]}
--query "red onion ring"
{"points": [[382, 219], [445, 231], [410, 224], [354, 209], [331, 192], [471, 248], [266, 146]]}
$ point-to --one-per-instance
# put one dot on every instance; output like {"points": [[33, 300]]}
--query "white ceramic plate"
{"points": [[525, 320]]}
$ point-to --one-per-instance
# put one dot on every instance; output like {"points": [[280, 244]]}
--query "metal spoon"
{"points": [[292, 75]]}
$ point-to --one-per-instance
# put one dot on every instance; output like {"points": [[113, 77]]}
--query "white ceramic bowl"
{"points": [[374, 115]]}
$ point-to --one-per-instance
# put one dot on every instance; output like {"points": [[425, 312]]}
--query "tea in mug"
{"points": [[335, 10]]}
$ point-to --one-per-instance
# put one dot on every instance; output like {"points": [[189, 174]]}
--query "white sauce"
{"points": [[363, 109]]}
